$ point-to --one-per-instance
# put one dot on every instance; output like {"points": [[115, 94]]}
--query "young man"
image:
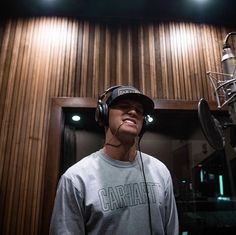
{"points": [[117, 190]]}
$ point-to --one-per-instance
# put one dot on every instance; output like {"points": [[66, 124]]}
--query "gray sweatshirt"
{"points": [[102, 196]]}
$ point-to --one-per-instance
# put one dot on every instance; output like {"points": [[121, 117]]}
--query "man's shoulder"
{"points": [[83, 164]]}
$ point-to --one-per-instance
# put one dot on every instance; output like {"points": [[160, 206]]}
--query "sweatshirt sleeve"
{"points": [[171, 215], [68, 213]]}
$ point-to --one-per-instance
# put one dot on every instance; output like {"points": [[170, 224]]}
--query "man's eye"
{"points": [[138, 109]]}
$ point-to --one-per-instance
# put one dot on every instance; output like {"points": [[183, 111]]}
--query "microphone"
{"points": [[225, 88], [225, 92], [229, 69]]}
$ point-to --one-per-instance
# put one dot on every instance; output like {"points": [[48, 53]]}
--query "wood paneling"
{"points": [[41, 58]]}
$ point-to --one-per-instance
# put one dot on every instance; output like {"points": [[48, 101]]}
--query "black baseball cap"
{"points": [[130, 93]]}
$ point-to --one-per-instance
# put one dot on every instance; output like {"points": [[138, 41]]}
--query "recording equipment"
{"points": [[224, 85]]}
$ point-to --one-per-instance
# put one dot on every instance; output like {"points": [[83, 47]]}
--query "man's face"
{"points": [[126, 118]]}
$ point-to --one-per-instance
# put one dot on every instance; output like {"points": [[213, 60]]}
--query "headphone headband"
{"points": [[101, 97]]}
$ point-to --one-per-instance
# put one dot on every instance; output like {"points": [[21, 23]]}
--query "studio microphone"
{"points": [[229, 70], [224, 85], [225, 92]]}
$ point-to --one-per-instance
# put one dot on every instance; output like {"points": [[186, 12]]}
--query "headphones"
{"points": [[102, 110]]}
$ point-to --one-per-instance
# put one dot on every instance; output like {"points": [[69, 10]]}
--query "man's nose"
{"points": [[134, 108]]}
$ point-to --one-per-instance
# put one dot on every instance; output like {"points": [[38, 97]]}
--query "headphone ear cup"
{"points": [[98, 113], [105, 114], [102, 110], [101, 114]]}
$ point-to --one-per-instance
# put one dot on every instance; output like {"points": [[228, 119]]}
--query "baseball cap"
{"points": [[130, 93]]}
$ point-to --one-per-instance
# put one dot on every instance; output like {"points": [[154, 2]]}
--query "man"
{"points": [[117, 190]]}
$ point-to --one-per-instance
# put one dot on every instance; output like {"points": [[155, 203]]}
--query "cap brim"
{"points": [[147, 103]]}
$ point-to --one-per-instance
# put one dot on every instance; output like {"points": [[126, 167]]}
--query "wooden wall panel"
{"points": [[41, 58]]}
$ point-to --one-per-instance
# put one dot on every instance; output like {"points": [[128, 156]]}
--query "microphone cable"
{"points": [[146, 188], [114, 145], [143, 173]]}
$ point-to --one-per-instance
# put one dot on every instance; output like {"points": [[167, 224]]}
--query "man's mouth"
{"points": [[130, 121]]}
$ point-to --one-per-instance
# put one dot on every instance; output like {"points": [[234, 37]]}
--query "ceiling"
{"points": [[203, 11]]}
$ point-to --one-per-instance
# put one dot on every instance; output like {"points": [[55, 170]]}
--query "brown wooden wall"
{"points": [[41, 58]]}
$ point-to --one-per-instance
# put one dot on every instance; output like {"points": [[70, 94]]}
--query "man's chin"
{"points": [[128, 134]]}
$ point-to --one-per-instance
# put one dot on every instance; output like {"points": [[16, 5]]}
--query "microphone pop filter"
{"points": [[211, 127]]}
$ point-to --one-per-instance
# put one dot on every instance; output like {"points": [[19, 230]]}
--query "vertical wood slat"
{"points": [[96, 79], [129, 60], [47, 57], [186, 42], [37, 131], [25, 125], [164, 72], [30, 115], [175, 62], [118, 67], [12, 106], [192, 61], [153, 59], [84, 62], [22, 129], [107, 58], [141, 59]]}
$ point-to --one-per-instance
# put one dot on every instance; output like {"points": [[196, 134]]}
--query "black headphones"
{"points": [[102, 110]]}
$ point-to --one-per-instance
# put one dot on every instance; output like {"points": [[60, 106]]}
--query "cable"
{"points": [[146, 189], [113, 145]]}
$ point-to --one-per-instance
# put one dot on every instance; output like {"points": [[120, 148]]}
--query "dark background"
{"points": [[207, 11]]}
